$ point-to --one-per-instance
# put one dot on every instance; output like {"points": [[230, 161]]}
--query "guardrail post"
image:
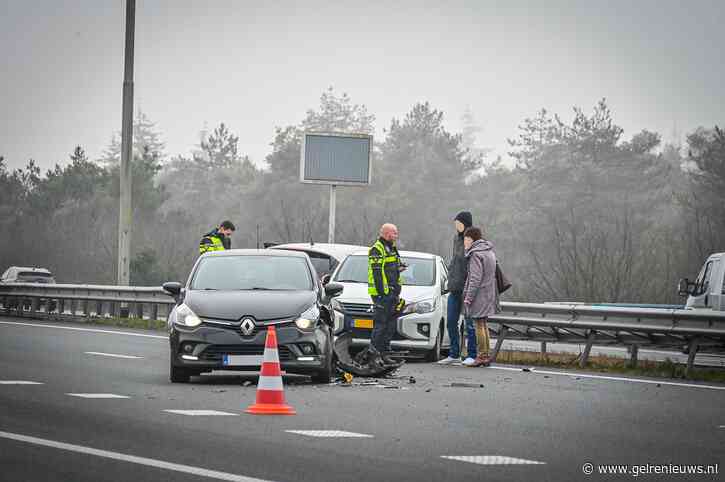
{"points": [[154, 311], [73, 307], [543, 348], [86, 308], [633, 352], [587, 349], [499, 341], [692, 351], [61, 306], [35, 305], [139, 311]]}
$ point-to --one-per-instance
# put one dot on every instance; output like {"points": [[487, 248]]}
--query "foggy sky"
{"points": [[256, 65]]}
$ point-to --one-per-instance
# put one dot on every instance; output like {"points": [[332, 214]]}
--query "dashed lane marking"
{"points": [[329, 433], [18, 382], [194, 413], [491, 460], [113, 355], [188, 469], [91, 330], [618, 379], [96, 395]]}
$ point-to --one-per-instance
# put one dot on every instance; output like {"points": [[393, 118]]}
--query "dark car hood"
{"points": [[262, 305]]}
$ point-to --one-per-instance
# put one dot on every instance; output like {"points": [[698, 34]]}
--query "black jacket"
{"points": [[458, 266]]}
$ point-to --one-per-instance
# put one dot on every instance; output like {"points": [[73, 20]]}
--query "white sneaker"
{"points": [[449, 361], [469, 362]]}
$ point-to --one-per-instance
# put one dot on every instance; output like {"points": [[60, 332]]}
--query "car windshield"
{"points": [[252, 273], [420, 272]]}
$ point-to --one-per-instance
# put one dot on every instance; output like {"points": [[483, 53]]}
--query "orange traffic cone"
{"points": [[270, 391]]}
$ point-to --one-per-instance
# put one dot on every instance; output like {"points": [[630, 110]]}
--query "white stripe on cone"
{"points": [[270, 355], [269, 383]]}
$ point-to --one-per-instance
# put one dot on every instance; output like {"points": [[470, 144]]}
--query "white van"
{"points": [[422, 332]]}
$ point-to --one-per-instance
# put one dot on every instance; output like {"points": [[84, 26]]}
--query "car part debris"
{"points": [[355, 366]]}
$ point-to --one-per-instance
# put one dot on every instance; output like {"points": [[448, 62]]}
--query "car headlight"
{"points": [[308, 319], [420, 307], [186, 317]]}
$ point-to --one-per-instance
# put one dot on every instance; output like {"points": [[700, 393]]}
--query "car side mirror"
{"points": [[333, 289], [326, 279], [173, 288], [685, 287]]}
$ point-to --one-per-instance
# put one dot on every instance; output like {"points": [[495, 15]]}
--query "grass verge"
{"points": [[155, 325], [605, 364]]}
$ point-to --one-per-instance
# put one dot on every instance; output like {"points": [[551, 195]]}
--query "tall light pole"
{"points": [[125, 213]]}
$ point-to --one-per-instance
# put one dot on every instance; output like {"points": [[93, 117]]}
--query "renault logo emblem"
{"points": [[247, 326]]}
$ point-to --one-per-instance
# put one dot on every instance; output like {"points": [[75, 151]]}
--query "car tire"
{"points": [[325, 374], [176, 374], [435, 354]]}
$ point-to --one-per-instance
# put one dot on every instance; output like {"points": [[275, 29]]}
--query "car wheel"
{"points": [[176, 374], [435, 354], [325, 374]]}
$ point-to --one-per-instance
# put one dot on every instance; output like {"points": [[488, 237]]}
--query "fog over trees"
{"points": [[584, 215]]}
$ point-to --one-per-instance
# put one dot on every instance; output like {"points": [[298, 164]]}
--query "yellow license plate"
{"points": [[362, 323]]}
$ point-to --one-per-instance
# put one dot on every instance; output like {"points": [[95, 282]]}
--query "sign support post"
{"points": [[333, 200]]}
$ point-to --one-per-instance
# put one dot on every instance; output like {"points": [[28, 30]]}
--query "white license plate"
{"points": [[242, 360]]}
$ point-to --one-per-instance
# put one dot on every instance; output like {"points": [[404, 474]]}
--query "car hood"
{"points": [[262, 305], [358, 293]]}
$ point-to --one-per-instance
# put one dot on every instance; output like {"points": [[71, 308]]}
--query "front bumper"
{"points": [[203, 348], [409, 332]]}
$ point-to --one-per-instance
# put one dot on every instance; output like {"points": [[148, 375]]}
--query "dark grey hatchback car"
{"points": [[221, 317]]}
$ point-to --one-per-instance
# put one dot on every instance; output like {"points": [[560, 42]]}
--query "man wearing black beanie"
{"points": [[457, 273]]}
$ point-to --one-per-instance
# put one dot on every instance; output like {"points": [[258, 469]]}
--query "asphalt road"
{"points": [[405, 430]]}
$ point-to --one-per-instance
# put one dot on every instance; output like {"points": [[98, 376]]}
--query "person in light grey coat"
{"points": [[479, 292]]}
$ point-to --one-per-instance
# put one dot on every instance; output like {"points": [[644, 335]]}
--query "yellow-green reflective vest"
{"points": [[215, 245], [378, 262]]}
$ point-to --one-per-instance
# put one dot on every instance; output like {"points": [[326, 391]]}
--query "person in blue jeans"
{"points": [[457, 274]]}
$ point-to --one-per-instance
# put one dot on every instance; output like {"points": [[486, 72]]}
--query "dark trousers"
{"points": [[384, 323]]}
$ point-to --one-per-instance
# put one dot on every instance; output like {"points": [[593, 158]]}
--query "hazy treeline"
{"points": [[585, 215]]}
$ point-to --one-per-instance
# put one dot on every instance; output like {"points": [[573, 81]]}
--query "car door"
{"points": [[443, 285], [701, 297]]}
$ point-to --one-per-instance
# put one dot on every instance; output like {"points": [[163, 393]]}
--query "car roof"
{"points": [[24, 268], [407, 254], [256, 252], [337, 251]]}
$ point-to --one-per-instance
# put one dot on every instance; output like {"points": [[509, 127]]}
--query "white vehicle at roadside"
{"points": [[707, 292], [421, 332]]}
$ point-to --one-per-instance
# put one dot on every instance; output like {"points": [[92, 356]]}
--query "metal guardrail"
{"points": [[84, 301], [633, 327]]}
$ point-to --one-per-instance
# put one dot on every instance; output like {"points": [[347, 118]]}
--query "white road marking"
{"points": [[492, 460], [18, 382], [618, 379], [113, 355], [91, 330], [188, 469], [721, 426], [329, 433], [194, 413], [96, 395]]}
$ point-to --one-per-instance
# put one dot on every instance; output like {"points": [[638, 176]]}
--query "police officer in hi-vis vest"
{"points": [[218, 239], [384, 285]]}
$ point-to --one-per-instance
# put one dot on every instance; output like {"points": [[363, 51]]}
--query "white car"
{"points": [[422, 332]]}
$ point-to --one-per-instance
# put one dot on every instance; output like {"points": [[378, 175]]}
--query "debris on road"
{"points": [[347, 377], [411, 379], [219, 390], [246, 383], [526, 369], [466, 385]]}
